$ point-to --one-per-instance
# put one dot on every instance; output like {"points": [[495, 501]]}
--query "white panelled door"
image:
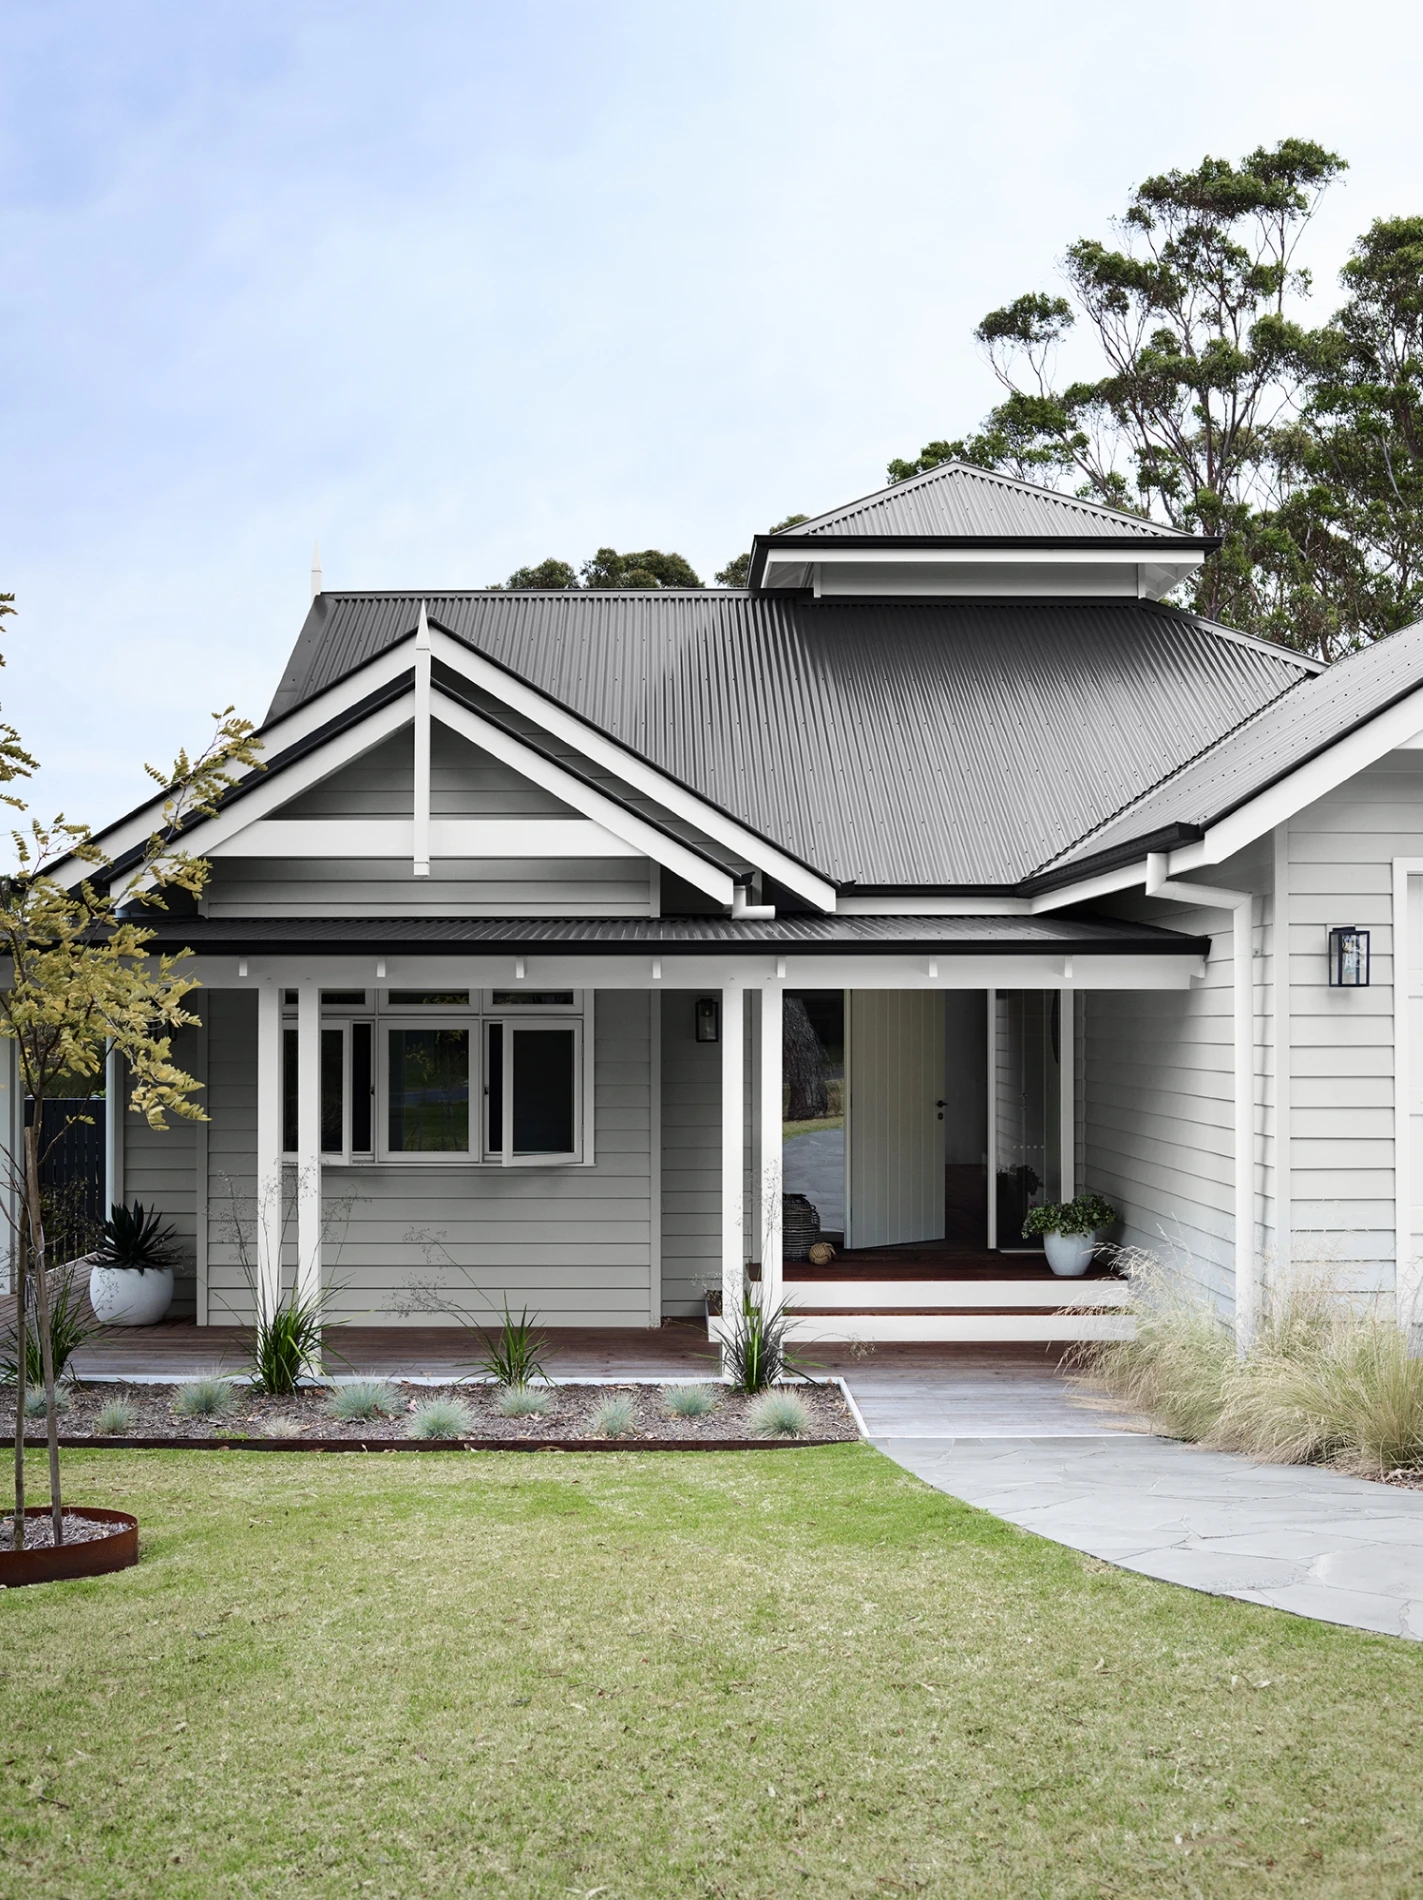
{"points": [[895, 1075]]}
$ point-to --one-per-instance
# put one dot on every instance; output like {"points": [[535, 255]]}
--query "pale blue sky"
{"points": [[453, 287]]}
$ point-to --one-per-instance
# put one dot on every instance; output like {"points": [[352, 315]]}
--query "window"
{"points": [[532, 1105], [397, 1084], [427, 1090]]}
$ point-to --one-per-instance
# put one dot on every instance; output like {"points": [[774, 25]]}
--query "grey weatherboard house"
{"points": [[503, 949]]}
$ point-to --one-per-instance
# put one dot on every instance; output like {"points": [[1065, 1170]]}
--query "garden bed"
{"points": [[303, 1422]]}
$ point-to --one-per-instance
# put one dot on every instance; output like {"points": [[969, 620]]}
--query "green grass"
{"points": [[662, 1675]]}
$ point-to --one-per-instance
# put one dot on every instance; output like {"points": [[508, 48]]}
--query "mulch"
{"points": [[39, 1531], [303, 1422]]}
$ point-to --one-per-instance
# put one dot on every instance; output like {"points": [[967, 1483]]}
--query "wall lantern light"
{"points": [[708, 1019], [1348, 958]]}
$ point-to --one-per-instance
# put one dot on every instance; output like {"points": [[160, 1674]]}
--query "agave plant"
{"points": [[136, 1239]]}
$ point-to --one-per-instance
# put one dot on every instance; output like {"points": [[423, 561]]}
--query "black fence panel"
{"points": [[72, 1170]]}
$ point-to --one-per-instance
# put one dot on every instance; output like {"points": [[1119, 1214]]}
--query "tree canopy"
{"points": [[605, 569], [1215, 409]]}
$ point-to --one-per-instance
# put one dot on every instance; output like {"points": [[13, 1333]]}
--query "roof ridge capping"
{"points": [[1001, 505]]}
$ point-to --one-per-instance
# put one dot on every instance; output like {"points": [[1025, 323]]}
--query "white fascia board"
{"points": [[1389, 731], [208, 834], [1129, 555], [547, 970], [287, 731], [933, 907], [633, 771], [449, 838], [645, 839], [1105, 884]]}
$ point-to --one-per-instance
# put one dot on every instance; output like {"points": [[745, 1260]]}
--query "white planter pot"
{"points": [[1069, 1255], [122, 1297]]}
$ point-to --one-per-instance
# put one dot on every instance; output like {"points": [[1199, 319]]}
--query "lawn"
{"points": [[645, 1674]]}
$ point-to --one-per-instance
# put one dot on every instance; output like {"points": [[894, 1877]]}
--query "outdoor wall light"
{"points": [[1348, 958], [708, 1019]]}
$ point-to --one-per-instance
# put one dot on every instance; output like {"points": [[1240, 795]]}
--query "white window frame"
{"points": [[531, 1023], [440, 1157]]}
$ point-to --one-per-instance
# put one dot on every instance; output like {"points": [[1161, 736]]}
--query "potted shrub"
{"points": [[132, 1280], [1070, 1231]]}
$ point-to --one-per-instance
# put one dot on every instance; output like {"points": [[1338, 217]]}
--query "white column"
{"points": [[772, 1184], [1247, 1289], [113, 1129], [991, 1059], [308, 1139], [269, 1147], [1067, 1087], [421, 830], [733, 1158]]}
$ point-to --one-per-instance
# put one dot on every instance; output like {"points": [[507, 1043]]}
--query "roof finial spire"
{"points": [[315, 569]]}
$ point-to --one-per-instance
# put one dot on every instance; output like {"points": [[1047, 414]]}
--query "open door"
{"points": [[895, 1088]]}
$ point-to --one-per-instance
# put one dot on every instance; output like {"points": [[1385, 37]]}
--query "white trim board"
{"points": [[280, 837]]}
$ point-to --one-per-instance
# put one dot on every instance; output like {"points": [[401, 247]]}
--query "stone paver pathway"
{"points": [[1290, 1536]]}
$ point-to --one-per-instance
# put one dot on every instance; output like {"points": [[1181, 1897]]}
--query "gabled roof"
{"points": [[1279, 739], [956, 500], [906, 744]]}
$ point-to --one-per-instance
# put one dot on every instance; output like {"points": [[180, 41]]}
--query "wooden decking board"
{"points": [[930, 1260]]}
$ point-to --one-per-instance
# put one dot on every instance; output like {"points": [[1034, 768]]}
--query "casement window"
{"points": [[493, 1078]]}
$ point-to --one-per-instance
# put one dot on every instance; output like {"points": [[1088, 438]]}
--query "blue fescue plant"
{"points": [[780, 1415], [362, 1399], [690, 1401], [439, 1418], [615, 1417], [208, 1397]]}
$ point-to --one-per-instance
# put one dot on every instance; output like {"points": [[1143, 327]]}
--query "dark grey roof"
{"points": [[957, 745], [619, 936], [956, 499], [1284, 736]]}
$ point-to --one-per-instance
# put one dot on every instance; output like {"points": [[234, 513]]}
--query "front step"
{"points": [[845, 1312]]}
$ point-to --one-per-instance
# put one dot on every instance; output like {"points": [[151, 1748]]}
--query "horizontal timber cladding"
{"points": [[1340, 871], [456, 887], [691, 1152], [573, 1244], [160, 1169], [465, 782], [1157, 1100]]}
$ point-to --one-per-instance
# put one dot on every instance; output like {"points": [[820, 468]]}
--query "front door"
{"points": [[895, 1089]]}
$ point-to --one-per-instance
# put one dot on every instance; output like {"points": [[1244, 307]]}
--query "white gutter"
{"points": [[1241, 906]]}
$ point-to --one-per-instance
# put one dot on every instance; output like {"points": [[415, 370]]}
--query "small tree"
{"points": [[82, 982]]}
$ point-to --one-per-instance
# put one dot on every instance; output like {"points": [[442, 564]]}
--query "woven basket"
{"points": [[800, 1226]]}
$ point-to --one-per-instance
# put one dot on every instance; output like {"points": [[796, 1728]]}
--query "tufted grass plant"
{"points": [[34, 1401], [690, 1401], [208, 1397], [363, 1399], [439, 1418], [615, 1417], [524, 1401], [1175, 1370], [780, 1415], [115, 1418]]}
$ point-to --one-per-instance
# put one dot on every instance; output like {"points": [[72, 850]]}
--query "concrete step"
{"points": [[1065, 1324], [875, 1296]]}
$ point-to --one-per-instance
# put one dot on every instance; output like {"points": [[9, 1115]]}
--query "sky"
{"points": [[453, 287]]}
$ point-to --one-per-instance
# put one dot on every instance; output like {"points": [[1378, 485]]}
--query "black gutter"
{"points": [[1165, 838]]}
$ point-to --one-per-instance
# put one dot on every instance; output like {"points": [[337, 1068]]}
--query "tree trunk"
{"points": [[34, 1228]]}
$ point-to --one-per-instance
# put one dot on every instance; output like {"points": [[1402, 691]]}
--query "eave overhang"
{"points": [[972, 566]]}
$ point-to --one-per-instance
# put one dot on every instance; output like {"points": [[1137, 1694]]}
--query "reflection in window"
{"points": [[428, 1091], [427, 999], [543, 1091]]}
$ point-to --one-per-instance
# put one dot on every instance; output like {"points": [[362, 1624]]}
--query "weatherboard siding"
{"points": [[160, 1169], [573, 1244], [456, 887]]}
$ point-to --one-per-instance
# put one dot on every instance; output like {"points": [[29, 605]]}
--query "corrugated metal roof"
{"points": [[1277, 740], [957, 499], [887, 743], [948, 936]]}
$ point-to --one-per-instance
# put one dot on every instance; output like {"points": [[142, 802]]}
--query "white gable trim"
{"points": [[637, 832], [448, 838], [633, 771]]}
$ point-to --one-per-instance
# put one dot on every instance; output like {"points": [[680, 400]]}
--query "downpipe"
{"points": [[1241, 905]]}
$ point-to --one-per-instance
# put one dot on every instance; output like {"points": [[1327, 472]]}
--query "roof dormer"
{"points": [[969, 533]]}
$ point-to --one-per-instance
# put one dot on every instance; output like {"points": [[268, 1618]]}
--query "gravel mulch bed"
{"points": [[39, 1531], [306, 1416]]}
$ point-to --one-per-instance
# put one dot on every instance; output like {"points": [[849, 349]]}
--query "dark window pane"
{"points": [[333, 1092], [429, 1091], [289, 1091], [361, 1088], [426, 999], [494, 1091], [514, 999], [342, 997], [543, 1091]]}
